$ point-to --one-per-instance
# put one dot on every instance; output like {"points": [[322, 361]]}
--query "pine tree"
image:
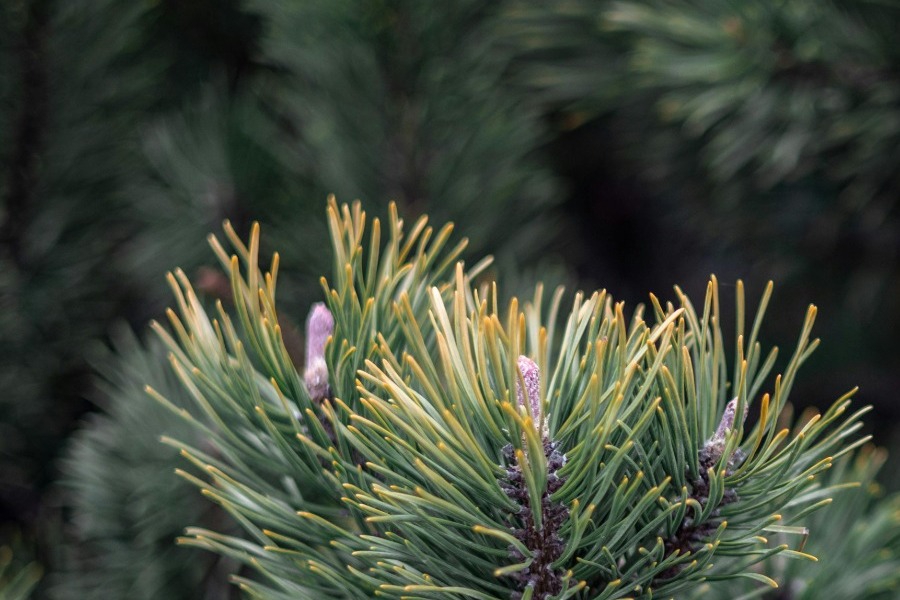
{"points": [[122, 155], [438, 445]]}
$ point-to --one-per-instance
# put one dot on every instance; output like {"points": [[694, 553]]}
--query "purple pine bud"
{"points": [[727, 422], [716, 444], [531, 375], [319, 327]]}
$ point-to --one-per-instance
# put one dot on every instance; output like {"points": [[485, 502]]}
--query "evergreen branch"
{"points": [[428, 457]]}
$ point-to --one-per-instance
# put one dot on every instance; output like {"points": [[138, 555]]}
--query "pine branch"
{"points": [[126, 508], [441, 462], [856, 537]]}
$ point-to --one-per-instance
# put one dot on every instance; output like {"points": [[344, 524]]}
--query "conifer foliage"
{"points": [[458, 446], [126, 506]]}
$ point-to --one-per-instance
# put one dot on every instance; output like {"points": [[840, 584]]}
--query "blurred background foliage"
{"points": [[630, 145]]}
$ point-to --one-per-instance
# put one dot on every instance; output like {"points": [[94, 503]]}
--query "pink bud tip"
{"points": [[319, 326]]}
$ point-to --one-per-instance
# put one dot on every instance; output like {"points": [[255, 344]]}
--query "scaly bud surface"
{"points": [[713, 449], [531, 375]]}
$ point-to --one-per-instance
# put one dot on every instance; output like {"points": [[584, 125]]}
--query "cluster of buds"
{"points": [[544, 543]]}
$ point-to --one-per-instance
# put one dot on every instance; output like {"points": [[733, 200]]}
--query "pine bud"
{"points": [[531, 375], [713, 449], [319, 327]]}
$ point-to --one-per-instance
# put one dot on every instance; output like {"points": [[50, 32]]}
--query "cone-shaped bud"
{"points": [[319, 326], [531, 375], [716, 445]]}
